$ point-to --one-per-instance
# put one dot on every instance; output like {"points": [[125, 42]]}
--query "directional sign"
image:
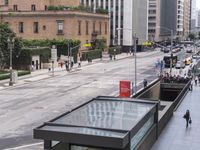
{"points": [[54, 54]]}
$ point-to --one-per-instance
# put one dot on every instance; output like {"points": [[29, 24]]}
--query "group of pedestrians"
{"points": [[167, 78]]}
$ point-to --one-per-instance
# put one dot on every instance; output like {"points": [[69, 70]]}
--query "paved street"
{"points": [[27, 106]]}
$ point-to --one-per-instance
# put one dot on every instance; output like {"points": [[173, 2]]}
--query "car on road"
{"points": [[189, 50], [180, 64], [187, 61], [197, 57]]}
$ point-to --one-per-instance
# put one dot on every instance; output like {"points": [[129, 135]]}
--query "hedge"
{"points": [[92, 54], [117, 48], [20, 73]]}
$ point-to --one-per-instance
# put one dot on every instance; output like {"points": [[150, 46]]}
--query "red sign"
{"points": [[125, 88]]}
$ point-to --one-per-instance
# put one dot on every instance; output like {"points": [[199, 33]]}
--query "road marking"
{"points": [[24, 146]]}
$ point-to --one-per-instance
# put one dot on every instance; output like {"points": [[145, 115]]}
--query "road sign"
{"points": [[54, 54]]}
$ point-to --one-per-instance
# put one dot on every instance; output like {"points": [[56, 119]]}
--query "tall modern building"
{"points": [[168, 18], [198, 18], [186, 18], [127, 18], [154, 20], [193, 15], [180, 13]]}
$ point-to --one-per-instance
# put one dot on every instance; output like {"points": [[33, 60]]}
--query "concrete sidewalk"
{"points": [[44, 73], [175, 136]]}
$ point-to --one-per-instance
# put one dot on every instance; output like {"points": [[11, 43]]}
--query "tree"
{"points": [[191, 36], [199, 35], [5, 33]]}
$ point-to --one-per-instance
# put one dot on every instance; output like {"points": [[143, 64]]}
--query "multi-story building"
{"points": [[198, 18], [154, 20], [186, 18], [32, 20], [179, 26], [193, 15], [127, 18], [168, 18]]}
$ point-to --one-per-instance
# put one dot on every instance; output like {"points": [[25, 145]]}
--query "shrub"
{"points": [[117, 48], [92, 54]]}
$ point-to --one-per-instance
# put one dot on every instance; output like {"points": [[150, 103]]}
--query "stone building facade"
{"points": [[39, 23]]}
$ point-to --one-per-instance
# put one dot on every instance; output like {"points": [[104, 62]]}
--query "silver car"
{"points": [[180, 64]]}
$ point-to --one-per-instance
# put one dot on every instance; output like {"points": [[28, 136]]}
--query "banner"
{"points": [[125, 88]]}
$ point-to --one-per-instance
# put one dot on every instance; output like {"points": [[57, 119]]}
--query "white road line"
{"points": [[24, 146]]}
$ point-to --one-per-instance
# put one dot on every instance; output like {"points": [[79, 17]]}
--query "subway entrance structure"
{"points": [[103, 123]]}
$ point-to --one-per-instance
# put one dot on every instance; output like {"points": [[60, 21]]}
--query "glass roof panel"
{"points": [[121, 115]]}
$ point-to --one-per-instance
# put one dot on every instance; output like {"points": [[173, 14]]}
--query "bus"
{"points": [[167, 61]]}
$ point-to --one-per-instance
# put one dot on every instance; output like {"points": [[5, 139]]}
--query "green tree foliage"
{"points": [[5, 33], [62, 45], [191, 36]]}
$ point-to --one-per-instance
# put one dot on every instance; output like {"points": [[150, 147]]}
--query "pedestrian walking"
{"points": [[79, 64], [145, 83], [191, 85], [196, 80], [187, 117]]}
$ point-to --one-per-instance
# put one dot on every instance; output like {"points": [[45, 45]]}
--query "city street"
{"points": [[27, 106]]}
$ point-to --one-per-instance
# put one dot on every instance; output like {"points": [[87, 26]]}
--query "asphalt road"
{"points": [[27, 106]]}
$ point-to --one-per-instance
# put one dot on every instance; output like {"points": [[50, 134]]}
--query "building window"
{"points": [[79, 27], [35, 27], [15, 7], [33, 8], [60, 27], [45, 7], [106, 28], [21, 27], [93, 27], [86, 25], [6, 2], [44, 27], [100, 28]]}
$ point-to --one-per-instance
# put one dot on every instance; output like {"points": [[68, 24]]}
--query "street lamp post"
{"points": [[134, 38], [11, 47], [171, 54]]}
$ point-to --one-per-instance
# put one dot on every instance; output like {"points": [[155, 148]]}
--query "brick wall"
{"points": [[47, 25]]}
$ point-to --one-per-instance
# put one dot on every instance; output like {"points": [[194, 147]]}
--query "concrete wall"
{"points": [[152, 93], [148, 140]]}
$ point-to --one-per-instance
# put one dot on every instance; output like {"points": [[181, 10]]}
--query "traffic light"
{"points": [[137, 41]]}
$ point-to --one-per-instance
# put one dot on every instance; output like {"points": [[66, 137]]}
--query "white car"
{"points": [[180, 64]]}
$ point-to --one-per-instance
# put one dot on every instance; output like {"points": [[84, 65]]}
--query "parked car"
{"points": [[180, 64]]}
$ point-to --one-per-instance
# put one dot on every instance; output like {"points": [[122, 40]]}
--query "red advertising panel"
{"points": [[125, 89]]}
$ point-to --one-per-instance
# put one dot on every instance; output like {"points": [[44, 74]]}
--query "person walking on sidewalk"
{"points": [[196, 80], [145, 83], [187, 117]]}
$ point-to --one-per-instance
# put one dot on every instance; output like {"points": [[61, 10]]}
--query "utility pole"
{"points": [[171, 60], [135, 56]]}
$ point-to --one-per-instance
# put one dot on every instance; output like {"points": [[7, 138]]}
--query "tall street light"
{"points": [[170, 46], [134, 38], [11, 47]]}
